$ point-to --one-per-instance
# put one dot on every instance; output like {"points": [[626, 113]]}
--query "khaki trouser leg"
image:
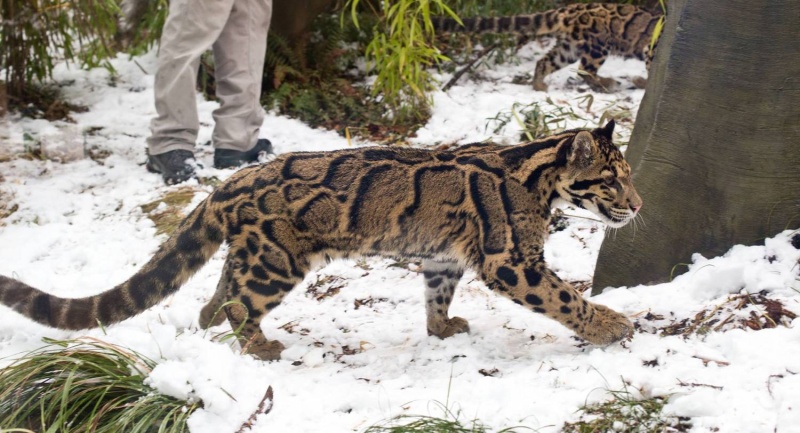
{"points": [[191, 28], [238, 69]]}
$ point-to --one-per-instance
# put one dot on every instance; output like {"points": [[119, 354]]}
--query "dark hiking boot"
{"points": [[175, 166], [227, 158]]}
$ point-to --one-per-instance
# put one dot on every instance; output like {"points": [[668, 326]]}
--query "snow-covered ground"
{"points": [[362, 355]]}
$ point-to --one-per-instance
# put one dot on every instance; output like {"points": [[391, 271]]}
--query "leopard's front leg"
{"points": [[536, 287], [441, 279]]}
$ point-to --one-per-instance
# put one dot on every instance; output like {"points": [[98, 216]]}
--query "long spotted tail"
{"points": [[183, 254], [537, 24]]}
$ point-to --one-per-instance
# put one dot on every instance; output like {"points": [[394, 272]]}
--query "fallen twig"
{"points": [[707, 360], [264, 407], [694, 385], [469, 65]]}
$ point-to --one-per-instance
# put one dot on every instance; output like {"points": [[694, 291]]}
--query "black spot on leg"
{"points": [[533, 299], [539, 310], [248, 304], [262, 289], [533, 277], [286, 287], [566, 310], [564, 296], [517, 301], [507, 275], [440, 300], [434, 282], [271, 306], [259, 272]]}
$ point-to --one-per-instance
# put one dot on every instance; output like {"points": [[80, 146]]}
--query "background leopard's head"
{"points": [[597, 178]]}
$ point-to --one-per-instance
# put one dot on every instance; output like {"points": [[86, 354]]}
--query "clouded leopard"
{"points": [[480, 206], [585, 32]]}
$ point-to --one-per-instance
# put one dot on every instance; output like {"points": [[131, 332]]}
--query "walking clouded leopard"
{"points": [[586, 32], [481, 206]]}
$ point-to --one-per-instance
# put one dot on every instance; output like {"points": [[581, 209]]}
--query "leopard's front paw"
{"points": [[211, 315], [606, 327], [539, 86], [269, 350], [601, 84], [452, 326]]}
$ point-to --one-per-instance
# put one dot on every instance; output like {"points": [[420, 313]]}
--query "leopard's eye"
{"points": [[609, 180]]}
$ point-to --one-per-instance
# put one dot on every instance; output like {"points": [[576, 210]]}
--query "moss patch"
{"points": [[168, 211]]}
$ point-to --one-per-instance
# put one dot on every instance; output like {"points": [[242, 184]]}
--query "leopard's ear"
{"points": [[582, 153], [606, 131]]}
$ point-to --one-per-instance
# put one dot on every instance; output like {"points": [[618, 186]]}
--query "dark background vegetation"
{"points": [[311, 70]]}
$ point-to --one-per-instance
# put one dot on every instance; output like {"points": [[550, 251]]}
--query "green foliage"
{"points": [[86, 385], [537, 119], [147, 27], [400, 53], [33, 32], [659, 26], [313, 78], [626, 414], [305, 78], [494, 8]]}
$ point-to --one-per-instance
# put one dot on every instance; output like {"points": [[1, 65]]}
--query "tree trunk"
{"points": [[291, 19], [716, 147]]}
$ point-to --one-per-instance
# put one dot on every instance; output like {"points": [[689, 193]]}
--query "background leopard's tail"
{"points": [[537, 24], [185, 252]]}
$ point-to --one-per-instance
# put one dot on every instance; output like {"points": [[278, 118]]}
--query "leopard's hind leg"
{"points": [[564, 53], [441, 279], [212, 313], [256, 277], [593, 55]]}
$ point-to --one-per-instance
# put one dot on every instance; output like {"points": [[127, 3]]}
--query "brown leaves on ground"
{"points": [[754, 311], [325, 286]]}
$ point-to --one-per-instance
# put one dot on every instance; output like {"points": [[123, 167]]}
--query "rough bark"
{"points": [[291, 19], [716, 146]]}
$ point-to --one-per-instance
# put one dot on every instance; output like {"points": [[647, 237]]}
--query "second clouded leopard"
{"points": [[481, 206], [586, 32]]}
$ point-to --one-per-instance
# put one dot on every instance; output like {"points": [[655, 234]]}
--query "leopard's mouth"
{"points": [[615, 217]]}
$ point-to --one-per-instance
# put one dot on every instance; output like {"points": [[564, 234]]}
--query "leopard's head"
{"points": [[597, 178]]}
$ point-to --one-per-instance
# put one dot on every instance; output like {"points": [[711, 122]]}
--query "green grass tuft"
{"points": [[449, 423], [626, 414], [86, 386], [424, 424], [430, 424]]}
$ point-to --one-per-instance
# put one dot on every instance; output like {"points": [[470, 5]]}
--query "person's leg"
{"points": [[239, 67], [190, 30]]}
